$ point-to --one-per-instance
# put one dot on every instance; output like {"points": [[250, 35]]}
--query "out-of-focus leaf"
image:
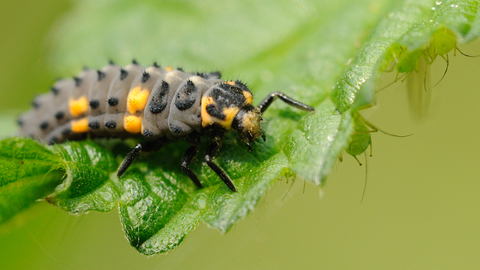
{"points": [[28, 172]]}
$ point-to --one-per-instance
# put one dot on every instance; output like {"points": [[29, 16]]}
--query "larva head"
{"points": [[247, 124], [228, 105]]}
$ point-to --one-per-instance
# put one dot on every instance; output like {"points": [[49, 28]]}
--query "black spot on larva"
{"points": [[145, 77], [227, 96], [159, 100], [111, 124], [59, 115], [123, 74], [113, 101], [175, 129], [180, 69], [155, 108], [44, 125], [66, 132], [94, 104], [94, 125], [225, 86], [156, 65], [147, 133], [202, 74], [233, 88], [215, 74], [242, 85], [165, 85], [55, 90], [186, 96], [101, 75], [54, 139], [110, 62], [213, 111], [134, 61], [35, 104], [20, 121], [78, 81]]}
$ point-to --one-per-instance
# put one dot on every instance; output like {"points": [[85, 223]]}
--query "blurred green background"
{"points": [[420, 209]]}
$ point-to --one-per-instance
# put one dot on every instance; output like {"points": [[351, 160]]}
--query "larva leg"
{"points": [[187, 159], [143, 146], [290, 101], [209, 154], [129, 159]]}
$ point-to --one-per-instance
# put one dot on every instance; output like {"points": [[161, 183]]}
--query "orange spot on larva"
{"points": [[78, 106], [137, 100], [207, 119], [168, 68], [248, 97], [132, 124], [80, 126], [230, 113]]}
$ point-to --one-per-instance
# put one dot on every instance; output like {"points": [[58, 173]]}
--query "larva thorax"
{"points": [[133, 101]]}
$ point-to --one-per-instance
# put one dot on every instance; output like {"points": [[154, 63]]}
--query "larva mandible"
{"points": [[160, 105]]}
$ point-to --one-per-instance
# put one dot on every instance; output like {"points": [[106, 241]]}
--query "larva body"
{"points": [[116, 102], [162, 105]]}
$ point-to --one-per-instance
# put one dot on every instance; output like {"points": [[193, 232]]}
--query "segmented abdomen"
{"points": [[119, 102]]}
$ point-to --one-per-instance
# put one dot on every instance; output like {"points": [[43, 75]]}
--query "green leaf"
{"points": [[87, 185], [224, 208], [158, 204], [28, 172], [327, 55], [316, 144], [157, 210]]}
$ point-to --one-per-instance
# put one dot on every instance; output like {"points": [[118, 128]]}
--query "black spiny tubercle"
{"points": [[55, 90], [94, 104], [78, 81], [101, 75], [145, 77], [123, 74], [112, 101]]}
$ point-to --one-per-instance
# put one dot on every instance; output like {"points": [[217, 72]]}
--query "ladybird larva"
{"points": [[160, 105]]}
